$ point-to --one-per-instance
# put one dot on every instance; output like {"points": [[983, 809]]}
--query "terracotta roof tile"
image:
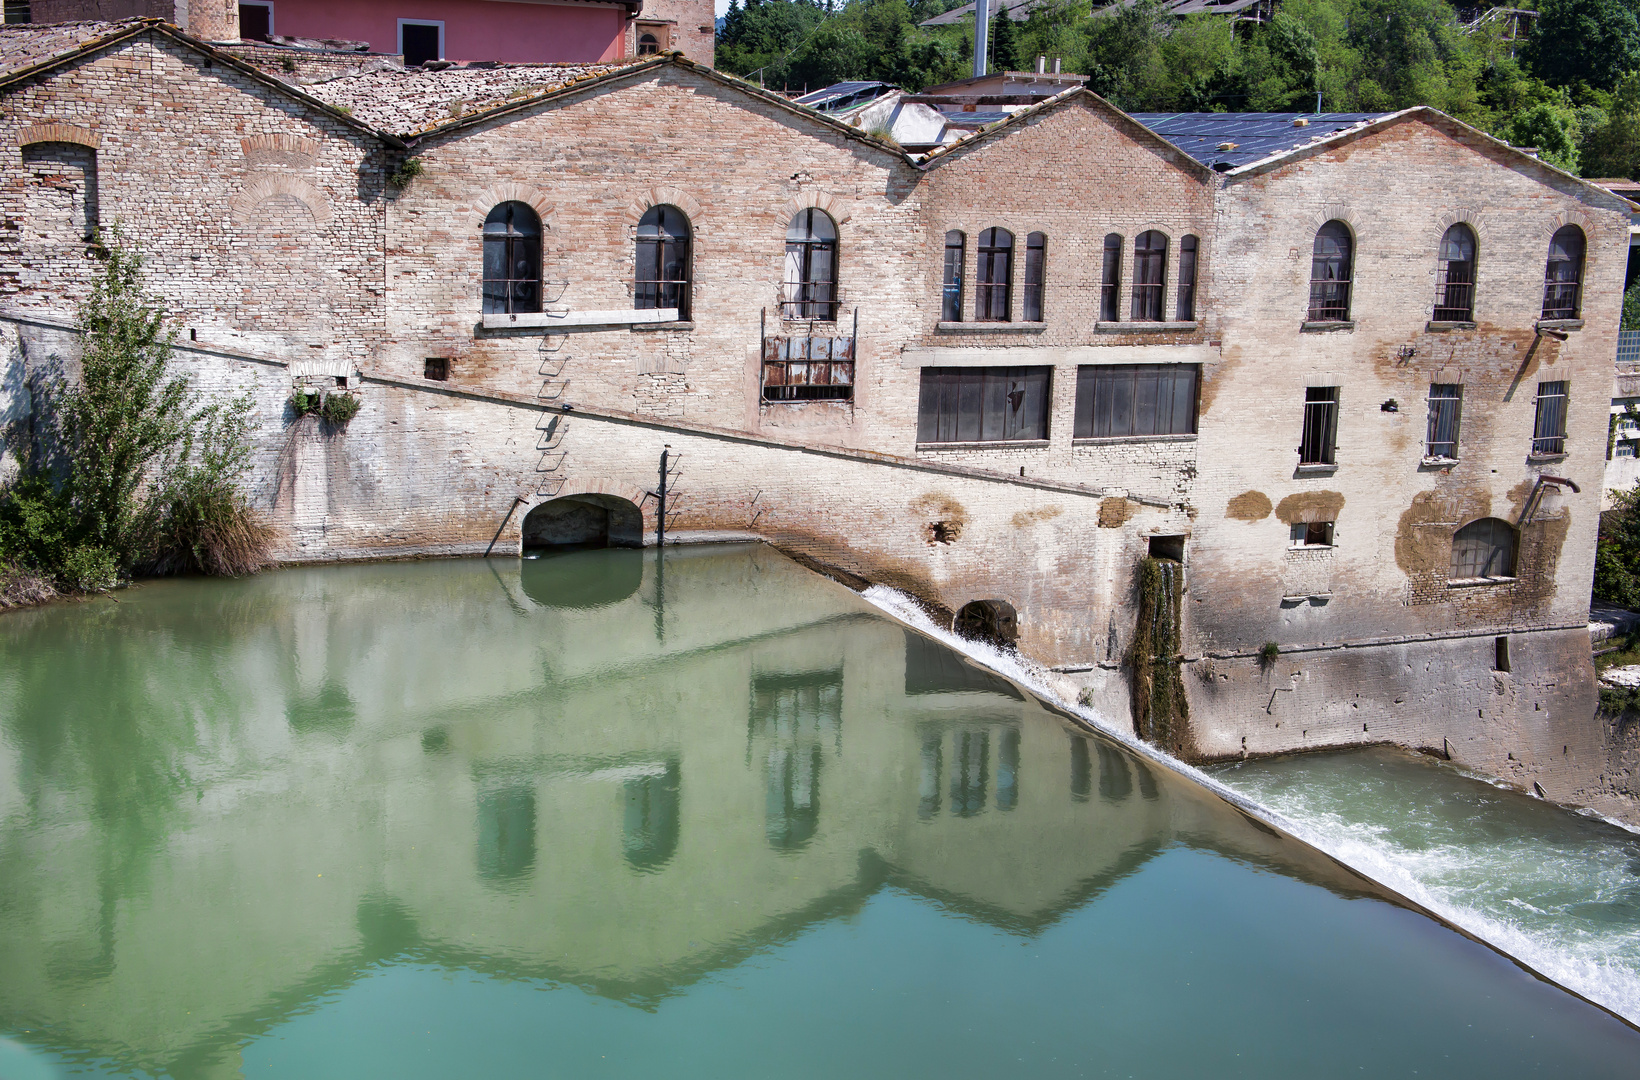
{"points": [[24, 45]]}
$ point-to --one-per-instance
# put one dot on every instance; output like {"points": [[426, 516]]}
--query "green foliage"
{"points": [[1267, 655], [305, 401], [1617, 700], [1003, 47], [408, 170], [1161, 712], [338, 409], [1617, 553], [1612, 147], [1552, 130], [128, 447], [1593, 41], [1631, 307]]}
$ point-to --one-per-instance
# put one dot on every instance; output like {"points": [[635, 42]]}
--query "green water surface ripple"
{"points": [[598, 816]]}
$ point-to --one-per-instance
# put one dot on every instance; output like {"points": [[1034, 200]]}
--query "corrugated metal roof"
{"points": [[843, 94], [1249, 136]]}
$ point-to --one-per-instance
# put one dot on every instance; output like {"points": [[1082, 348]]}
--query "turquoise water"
{"points": [[595, 816]]}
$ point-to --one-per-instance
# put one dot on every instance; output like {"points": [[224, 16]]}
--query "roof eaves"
{"points": [[673, 59], [85, 48], [1436, 118]]}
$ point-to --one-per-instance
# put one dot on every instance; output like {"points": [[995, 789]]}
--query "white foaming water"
{"points": [[1558, 891]]}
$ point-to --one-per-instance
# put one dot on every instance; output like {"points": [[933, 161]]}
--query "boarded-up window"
{"points": [[61, 203], [808, 369], [983, 404], [1115, 400]]}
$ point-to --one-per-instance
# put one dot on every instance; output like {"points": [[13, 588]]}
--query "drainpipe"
{"points": [[982, 30]]}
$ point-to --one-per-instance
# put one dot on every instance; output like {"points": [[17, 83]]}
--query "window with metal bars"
{"points": [[983, 404], [1563, 275], [1117, 400], [1549, 430], [1455, 277], [1149, 275], [956, 245], [1331, 264], [1445, 410], [1111, 282], [648, 45], [808, 369], [1483, 549], [512, 260], [1035, 251], [1187, 279], [994, 275], [1317, 445], [662, 279], [811, 267]]}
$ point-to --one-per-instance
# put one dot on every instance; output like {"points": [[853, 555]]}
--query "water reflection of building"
{"points": [[452, 767]]}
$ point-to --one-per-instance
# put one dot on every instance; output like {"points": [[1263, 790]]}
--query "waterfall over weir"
{"points": [[1160, 712]]}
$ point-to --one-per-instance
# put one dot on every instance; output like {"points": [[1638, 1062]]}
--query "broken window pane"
{"points": [[983, 404], [994, 275], [1445, 408], [1035, 249], [512, 260], [1117, 400], [811, 267], [1312, 534]]}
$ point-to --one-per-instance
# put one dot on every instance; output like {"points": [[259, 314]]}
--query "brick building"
{"points": [[1356, 385]]}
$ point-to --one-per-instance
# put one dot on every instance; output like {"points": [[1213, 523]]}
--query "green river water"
{"points": [[585, 816]]}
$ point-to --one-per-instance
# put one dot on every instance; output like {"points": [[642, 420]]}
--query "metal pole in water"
{"points": [[660, 509]]}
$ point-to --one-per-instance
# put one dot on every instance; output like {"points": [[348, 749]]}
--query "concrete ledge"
{"points": [[552, 320], [1559, 324], [1308, 327], [990, 327], [706, 536], [1142, 327]]}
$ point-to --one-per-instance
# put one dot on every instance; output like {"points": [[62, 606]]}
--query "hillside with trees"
{"points": [[1571, 88]]}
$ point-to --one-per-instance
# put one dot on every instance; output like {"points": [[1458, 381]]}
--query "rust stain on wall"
{"points": [[944, 516], [1249, 506], [1423, 537], [1308, 506], [1114, 513]]}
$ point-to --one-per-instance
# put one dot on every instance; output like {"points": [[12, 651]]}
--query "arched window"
{"points": [[1149, 273], [1036, 250], [1563, 277], [1330, 269], [994, 276], [1455, 287], [663, 260], [648, 45], [811, 266], [1187, 279], [512, 260], [1483, 549], [1111, 280], [956, 245]]}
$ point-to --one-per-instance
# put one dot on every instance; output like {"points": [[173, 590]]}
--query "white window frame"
{"points": [[262, 4], [421, 22], [1296, 536]]}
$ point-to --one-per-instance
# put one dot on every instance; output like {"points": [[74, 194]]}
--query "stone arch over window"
{"points": [[60, 201], [809, 290], [512, 260], [53, 132], [995, 621], [669, 196], [1332, 267], [662, 273], [288, 151], [1455, 275], [1563, 273], [1484, 548], [260, 189], [489, 198], [838, 206]]}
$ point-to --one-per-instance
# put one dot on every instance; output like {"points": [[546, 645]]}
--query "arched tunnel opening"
{"points": [[994, 621], [583, 521]]}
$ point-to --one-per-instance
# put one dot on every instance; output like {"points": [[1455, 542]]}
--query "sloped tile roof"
{"points": [[26, 45]]}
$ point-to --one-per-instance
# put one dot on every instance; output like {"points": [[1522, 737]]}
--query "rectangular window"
{"points": [[420, 41], [17, 11], [1035, 250], [808, 369], [1111, 282], [1310, 534], [1187, 280], [255, 22], [1549, 432], [436, 368], [984, 404], [1445, 408], [1116, 400], [1627, 448], [1316, 447], [951, 304]]}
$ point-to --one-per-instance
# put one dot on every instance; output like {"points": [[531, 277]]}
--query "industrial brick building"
{"points": [[1354, 385]]}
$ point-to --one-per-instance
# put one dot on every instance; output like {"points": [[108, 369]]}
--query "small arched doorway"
{"points": [[995, 621], [583, 521]]}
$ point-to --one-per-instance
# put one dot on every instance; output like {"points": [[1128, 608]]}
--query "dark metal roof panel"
{"points": [[1254, 136], [840, 92]]}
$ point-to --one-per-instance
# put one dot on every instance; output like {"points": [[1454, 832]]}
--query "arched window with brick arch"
{"points": [[662, 278], [994, 275], [810, 288], [1455, 291], [1149, 275], [1563, 274], [512, 260], [1332, 264], [1485, 548]]}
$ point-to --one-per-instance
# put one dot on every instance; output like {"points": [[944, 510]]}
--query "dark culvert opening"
{"points": [[583, 521], [995, 621]]}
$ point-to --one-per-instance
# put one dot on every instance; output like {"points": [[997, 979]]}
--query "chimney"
{"points": [[1042, 65], [1056, 65], [982, 31]]}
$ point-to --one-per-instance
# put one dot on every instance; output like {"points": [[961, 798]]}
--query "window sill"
{"points": [[990, 327], [1438, 462], [1545, 459], [1317, 469], [1312, 598], [771, 402], [1479, 582], [538, 320], [1143, 327], [1559, 324], [679, 324], [994, 444], [1124, 440], [1309, 327], [1309, 547], [1436, 326]]}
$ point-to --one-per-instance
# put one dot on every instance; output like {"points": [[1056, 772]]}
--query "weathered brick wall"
{"points": [[693, 26]]}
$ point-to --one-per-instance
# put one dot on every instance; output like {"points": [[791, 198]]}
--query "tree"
{"points": [[1617, 553], [1004, 42], [1552, 130], [1597, 41]]}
